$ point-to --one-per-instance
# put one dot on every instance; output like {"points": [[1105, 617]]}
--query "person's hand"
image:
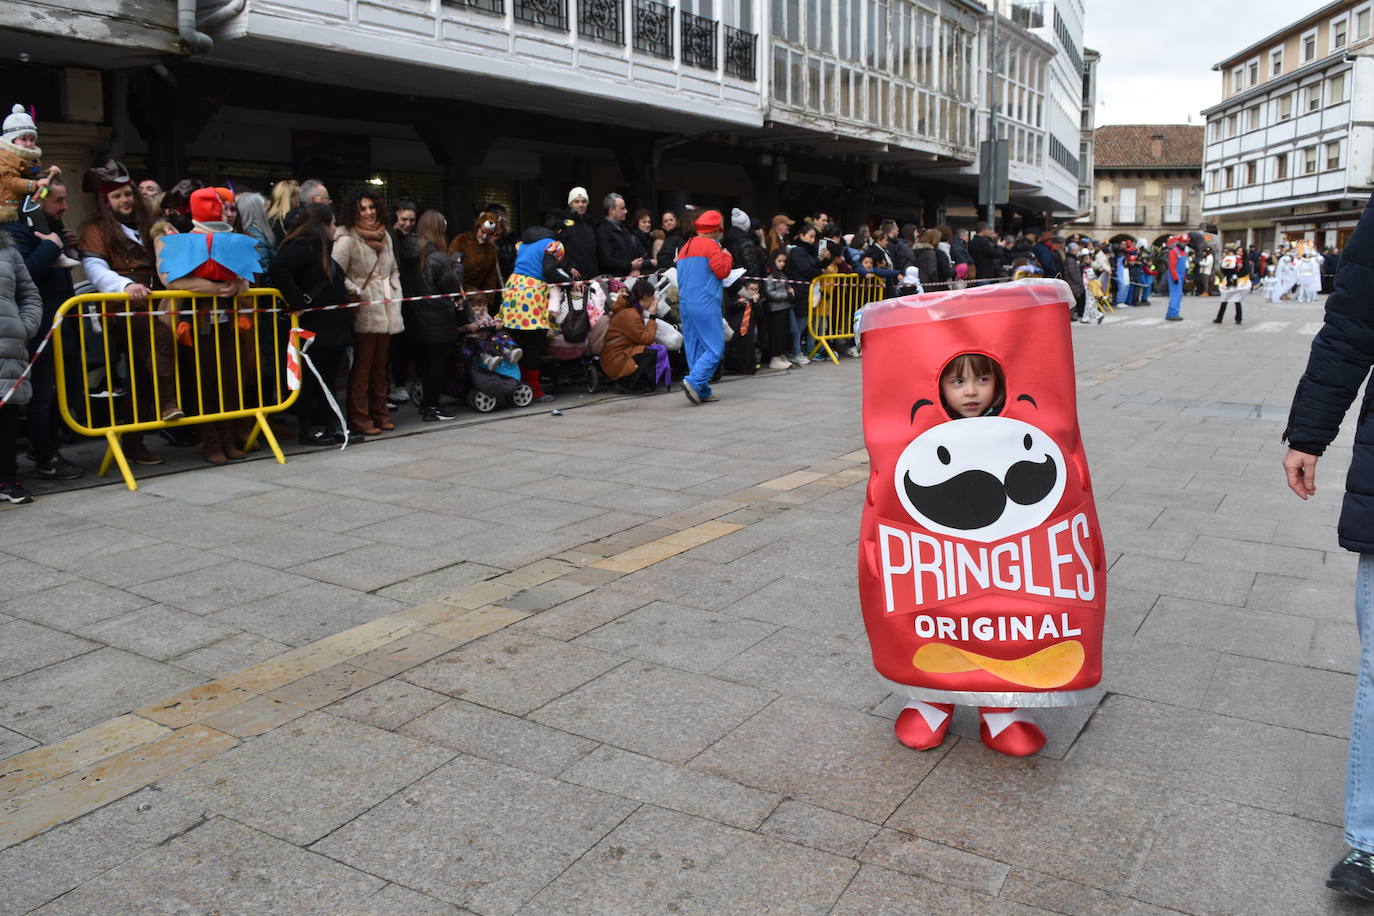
{"points": [[1301, 470], [137, 292], [53, 171], [49, 237], [40, 185], [70, 238], [576, 274]]}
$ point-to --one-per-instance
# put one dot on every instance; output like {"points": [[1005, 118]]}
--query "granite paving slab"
{"points": [[807, 825], [664, 861], [662, 712], [1238, 631], [478, 834], [499, 737], [218, 587], [678, 636], [1292, 696], [877, 891], [389, 705], [26, 646], [221, 866], [307, 778], [306, 614], [157, 632], [828, 756], [68, 606], [802, 663], [230, 654], [512, 671]]}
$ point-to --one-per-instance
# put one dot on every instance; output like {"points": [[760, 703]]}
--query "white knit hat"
{"points": [[18, 124], [577, 194], [739, 219]]}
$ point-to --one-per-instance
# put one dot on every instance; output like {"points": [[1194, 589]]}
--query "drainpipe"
{"points": [[195, 42], [213, 18]]}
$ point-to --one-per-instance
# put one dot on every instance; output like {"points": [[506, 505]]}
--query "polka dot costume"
{"points": [[525, 304]]}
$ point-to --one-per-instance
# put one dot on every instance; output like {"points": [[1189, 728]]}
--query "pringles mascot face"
{"points": [[981, 566]]}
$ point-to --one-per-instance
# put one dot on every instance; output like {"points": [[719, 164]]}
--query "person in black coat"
{"points": [[1341, 356], [744, 246], [433, 325], [307, 276], [987, 256], [617, 249], [579, 238]]}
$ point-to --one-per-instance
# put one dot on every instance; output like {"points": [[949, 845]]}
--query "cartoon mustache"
{"points": [[976, 499]]}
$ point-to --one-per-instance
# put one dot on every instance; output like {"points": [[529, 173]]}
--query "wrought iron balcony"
{"points": [[698, 41], [602, 20], [551, 14], [739, 54], [653, 28], [1173, 215], [494, 7]]}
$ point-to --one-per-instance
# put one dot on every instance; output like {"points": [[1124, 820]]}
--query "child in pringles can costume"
{"points": [[981, 567]]}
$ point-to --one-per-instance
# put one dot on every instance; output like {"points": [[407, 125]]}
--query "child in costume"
{"points": [[1235, 283], [23, 180], [981, 566]]}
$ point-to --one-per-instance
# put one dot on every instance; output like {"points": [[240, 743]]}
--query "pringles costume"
{"points": [[981, 566]]}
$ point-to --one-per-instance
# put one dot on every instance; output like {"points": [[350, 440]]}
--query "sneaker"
{"points": [[852, 352], [172, 412], [490, 363], [544, 398], [779, 362], [399, 395], [514, 355], [798, 360], [316, 437], [65, 263], [15, 493], [1353, 874], [433, 414], [709, 399], [691, 391], [57, 468], [1173, 317]]}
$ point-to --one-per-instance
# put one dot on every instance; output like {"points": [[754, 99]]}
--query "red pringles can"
{"points": [[982, 573]]}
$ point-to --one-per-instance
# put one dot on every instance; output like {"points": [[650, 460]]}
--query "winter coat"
{"points": [[933, 265], [958, 252], [21, 313], [54, 283], [746, 250], [579, 243], [371, 276], [646, 244], [803, 265], [987, 257], [626, 338], [901, 253], [1042, 254], [672, 241], [616, 248], [777, 292], [407, 248], [297, 271], [19, 169], [435, 321], [481, 271], [1341, 356]]}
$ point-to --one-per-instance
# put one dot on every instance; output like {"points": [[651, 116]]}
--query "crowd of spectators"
{"points": [[376, 258]]}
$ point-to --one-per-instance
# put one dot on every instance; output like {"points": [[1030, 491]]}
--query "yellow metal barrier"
{"points": [[192, 360], [834, 300]]}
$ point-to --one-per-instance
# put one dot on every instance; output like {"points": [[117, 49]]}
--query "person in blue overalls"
{"points": [[1178, 271], [701, 266]]}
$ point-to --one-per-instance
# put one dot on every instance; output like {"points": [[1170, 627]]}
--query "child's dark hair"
{"points": [[643, 289], [973, 365]]}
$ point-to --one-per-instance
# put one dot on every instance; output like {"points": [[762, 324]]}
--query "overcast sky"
{"points": [[1156, 66]]}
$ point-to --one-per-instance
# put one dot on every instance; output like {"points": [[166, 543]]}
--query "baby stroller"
{"points": [[570, 352], [489, 372]]}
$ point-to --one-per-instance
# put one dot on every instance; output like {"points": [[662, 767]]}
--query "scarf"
{"points": [[375, 238]]}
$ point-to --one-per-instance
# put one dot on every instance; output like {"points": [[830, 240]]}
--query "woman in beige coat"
{"points": [[362, 247]]}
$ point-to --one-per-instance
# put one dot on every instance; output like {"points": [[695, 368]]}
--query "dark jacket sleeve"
{"points": [[289, 263], [609, 253], [1342, 351]]}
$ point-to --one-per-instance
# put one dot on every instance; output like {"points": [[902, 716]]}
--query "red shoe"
{"points": [[923, 725], [1008, 730]]}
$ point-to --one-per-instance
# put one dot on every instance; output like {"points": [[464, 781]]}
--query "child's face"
{"points": [[751, 291], [968, 395], [868, 263], [27, 141], [780, 261]]}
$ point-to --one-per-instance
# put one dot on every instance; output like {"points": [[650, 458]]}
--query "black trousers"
{"points": [[532, 344], [779, 333], [9, 455], [433, 361], [312, 407]]}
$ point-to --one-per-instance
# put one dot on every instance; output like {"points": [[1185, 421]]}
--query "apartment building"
{"points": [[1087, 128], [1290, 148], [1147, 181], [863, 107]]}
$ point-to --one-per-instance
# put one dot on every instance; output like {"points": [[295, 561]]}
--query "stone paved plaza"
{"points": [[612, 662]]}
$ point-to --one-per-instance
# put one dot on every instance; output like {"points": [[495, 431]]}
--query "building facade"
{"points": [[864, 107], [1147, 181], [1087, 129], [1290, 148]]}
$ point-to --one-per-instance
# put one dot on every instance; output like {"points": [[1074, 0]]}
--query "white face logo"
{"points": [[981, 478]]}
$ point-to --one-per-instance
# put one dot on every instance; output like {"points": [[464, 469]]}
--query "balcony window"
{"points": [[1314, 96], [1333, 156], [601, 20], [550, 14], [1029, 14], [1228, 177], [1309, 47], [739, 53], [1173, 213], [1251, 173], [1338, 33], [653, 28], [1252, 73], [1285, 106], [1281, 166], [1237, 80], [1362, 19], [1252, 118], [698, 40], [1309, 160], [1276, 62]]}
